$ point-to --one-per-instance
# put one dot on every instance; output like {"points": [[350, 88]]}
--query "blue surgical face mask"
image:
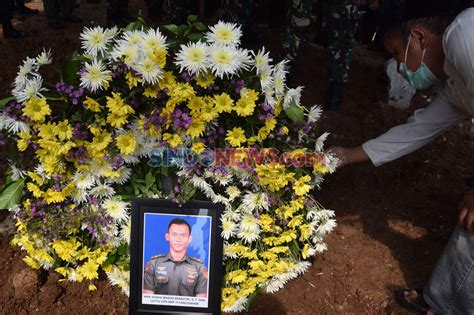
{"points": [[422, 78]]}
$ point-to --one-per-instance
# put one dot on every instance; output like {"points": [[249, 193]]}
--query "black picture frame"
{"points": [[142, 210]]}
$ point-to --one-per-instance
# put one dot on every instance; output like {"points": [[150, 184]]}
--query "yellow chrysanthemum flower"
{"points": [[132, 80], [236, 137], [64, 130], [236, 276], [173, 140], [36, 109], [23, 141], [126, 143], [196, 128], [92, 105], [89, 270], [301, 187], [198, 147], [205, 79], [223, 103]]}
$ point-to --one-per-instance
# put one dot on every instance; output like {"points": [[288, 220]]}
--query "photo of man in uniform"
{"points": [[176, 273]]}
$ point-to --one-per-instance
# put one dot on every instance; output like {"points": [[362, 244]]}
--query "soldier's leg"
{"points": [[299, 21], [341, 26]]}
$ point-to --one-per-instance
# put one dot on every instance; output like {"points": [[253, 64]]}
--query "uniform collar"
{"points": [[186, 258]]}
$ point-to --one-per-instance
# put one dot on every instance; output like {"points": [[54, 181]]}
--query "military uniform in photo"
{"points": [[168, 277]]}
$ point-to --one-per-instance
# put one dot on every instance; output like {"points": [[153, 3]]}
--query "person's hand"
{"points": [[466, 213], [348, 155], [341, 154]]}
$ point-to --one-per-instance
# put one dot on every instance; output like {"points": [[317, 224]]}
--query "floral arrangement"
{"points": [[81, 149]]}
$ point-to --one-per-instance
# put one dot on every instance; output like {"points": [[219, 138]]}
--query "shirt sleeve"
{"points": [[458, 44], [148, 277], [420, 129], [201, 286]]}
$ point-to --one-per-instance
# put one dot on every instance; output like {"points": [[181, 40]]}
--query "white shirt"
{"points": [[453, 103]]}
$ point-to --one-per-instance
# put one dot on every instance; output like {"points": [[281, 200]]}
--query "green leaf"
{"points": [[7, 100], [70, 72], [200, 26], [11, 195], [173, 28], [182, 29], [294, 112], [122, 250], [192, 18], [195, 36]]}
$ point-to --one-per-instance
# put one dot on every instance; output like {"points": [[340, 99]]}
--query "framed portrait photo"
{"points": [[175, 257]]}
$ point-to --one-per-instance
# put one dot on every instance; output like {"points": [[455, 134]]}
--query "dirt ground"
{"points": [[393, 221]]}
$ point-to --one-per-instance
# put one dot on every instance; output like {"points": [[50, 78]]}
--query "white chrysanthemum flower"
{"points": [[79, 196], [95, 40], [232, 215], [244, 59], [229, 252], [223, 60], [220, 199], [128, 53], [320, 247], [238, 306], [44, 58], [124, 176], [95, 76], [14, 126], [121, 278], [130, 159], [224, 33], [126, 231], [84, 180], [301, 267], [270, 95], [222, 179], [153, 40], [32, 87], [200, 183], [249, 229], [150, 71], [117, 209], [229, 228], [233, 192], [132, 38], [266, 81], [39, 170], [262, 61], [102, 191], [279, 79], [255, 201], [293, 96], [274, 284], [320, 141], [17, 173], [314, 113], [193, 58], [316, 214], [27, 68], [326, 226]]}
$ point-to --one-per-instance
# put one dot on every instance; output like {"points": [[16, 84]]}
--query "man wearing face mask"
{"points": [[433, 51]]}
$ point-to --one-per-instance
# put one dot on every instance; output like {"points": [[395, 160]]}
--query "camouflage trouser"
{"points": [[236, 11], [340, 23]]}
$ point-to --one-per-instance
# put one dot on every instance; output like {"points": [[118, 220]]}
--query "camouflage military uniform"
{"points": [[168, 277], [340, 22]]}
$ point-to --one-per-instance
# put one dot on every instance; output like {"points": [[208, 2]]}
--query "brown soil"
{"points": [[393, 220]]}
